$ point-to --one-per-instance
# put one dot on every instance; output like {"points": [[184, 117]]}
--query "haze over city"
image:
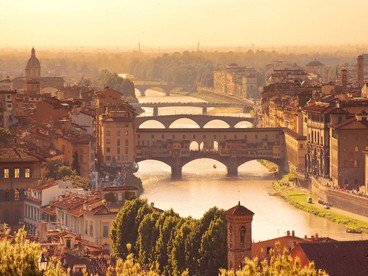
{"points": [[168, 23]]}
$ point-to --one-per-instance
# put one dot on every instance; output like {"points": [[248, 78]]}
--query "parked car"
{"points": [[326, 206], [309, 200]]}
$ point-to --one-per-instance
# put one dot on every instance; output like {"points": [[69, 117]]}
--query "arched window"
{"points": [[242, 234]]}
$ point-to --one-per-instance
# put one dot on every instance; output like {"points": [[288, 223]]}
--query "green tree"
{"points": [[52, 169], [4, 135], [147, 236], [129, 268], [78, 181], [166, 227], [213, 248], [125, 226], [64, 171], [181, 255], [75, 163], [20, 257]]}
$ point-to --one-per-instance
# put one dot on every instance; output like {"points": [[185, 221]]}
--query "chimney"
{"points": [[316, 235], [305, 237], [293, 233], [360, 71], [288, 233]]}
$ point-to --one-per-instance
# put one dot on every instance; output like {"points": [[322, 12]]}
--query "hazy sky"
{"points": [[174, 23]]}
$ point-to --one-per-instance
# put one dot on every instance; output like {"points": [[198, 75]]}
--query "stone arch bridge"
{"points": [[246, 107], [231, 147], [200, 120], [166, 88]]}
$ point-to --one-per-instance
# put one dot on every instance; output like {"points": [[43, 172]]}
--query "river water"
{"points": [[202, 186]]}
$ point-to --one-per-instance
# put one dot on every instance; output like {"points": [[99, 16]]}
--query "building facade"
{"points": [[348, 143]]}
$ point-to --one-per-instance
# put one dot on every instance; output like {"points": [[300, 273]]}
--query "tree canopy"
{"points": [[20, 256], [168, 243]]}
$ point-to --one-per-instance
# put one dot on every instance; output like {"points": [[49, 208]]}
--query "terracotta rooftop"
{"points": [[45, 185], [239, 210], [69, 202], [12, 154], [351, 123], [48, 209], [338, 258]]}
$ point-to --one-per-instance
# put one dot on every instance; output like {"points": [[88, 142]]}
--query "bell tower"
{"points": [[239, 236]]}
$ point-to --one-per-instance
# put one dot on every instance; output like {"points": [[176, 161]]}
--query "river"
{"points": [[202, 186]]}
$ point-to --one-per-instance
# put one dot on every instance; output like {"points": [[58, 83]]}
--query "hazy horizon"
{"points": [[167, 24]]}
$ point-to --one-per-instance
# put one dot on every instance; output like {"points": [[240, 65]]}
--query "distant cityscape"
{"points": [[68, 153]]}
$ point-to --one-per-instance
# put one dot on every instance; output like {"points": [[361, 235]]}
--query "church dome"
{"points": [[33, 62]]}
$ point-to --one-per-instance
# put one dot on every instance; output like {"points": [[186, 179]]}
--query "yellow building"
{"points": [[296, 148], [115, 129], [117, 137]]}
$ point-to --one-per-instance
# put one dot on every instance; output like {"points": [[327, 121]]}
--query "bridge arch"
{"points": [[148, 124], [194, 146], [190, 125], [244, 124], [216, 121]]}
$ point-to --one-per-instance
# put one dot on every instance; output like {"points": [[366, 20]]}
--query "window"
{"points": [[105, 230], [108, 141], [6, 173], [68, 243], [16, 173], [107, 132], [242, 234], [355, 163], [126, 143], [27, 172], [91, 228], [108, 149], [108, 158], [356, 149], [16, 194]]}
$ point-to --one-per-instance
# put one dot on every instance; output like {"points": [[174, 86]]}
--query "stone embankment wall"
{"points": [[341, 199]]}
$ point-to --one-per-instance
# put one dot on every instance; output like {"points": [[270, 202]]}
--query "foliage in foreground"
{"points": [[20, 256], [278, 264]]}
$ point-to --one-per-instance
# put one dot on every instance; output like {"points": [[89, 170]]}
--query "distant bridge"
{"points": [[200, 120], [142, 87], [231, 147], [204, 105]]}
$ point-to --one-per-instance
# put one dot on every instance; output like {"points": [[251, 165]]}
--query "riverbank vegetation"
{"points": [[297, 196], [269, 165]]}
